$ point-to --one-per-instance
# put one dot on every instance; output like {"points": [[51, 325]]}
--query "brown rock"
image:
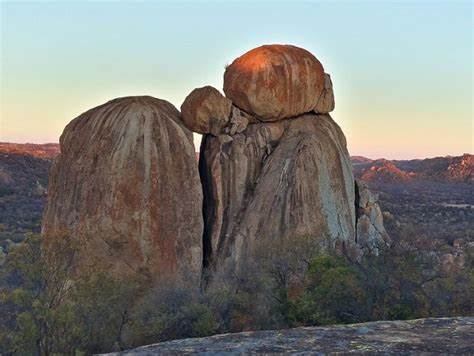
{"points": [[206, 111], [290, 178], [126, 184], [275, 82], [238, 121], [325, 103]]}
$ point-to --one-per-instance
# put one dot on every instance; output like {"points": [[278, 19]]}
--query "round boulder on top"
{"points": [[206, 111], [275, 82]]}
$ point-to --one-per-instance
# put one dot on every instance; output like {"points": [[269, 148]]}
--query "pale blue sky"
{"points": [[402, 71]]}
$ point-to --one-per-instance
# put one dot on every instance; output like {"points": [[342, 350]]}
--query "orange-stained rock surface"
{"points": [[127, 185], [326, 101], [206, 111], [275, 82]]}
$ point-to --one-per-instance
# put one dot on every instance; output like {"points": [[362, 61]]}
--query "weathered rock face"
{"points": [[206, 111], [290, 178], [326, 101], [371, 234], [432, 336], [275, 82], [126, 184]]}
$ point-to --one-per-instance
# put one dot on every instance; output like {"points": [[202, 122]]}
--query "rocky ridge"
{"points": [[44, 150], [443, 169]]}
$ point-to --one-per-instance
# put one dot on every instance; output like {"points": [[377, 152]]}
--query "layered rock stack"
{"points": [[273, 164]]}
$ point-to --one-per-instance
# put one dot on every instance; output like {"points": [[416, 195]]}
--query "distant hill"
{"points": [[447, 169], [46, 150], [24, 170]]}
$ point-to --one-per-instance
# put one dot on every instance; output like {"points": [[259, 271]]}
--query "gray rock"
{"points": [[371, 234], [290, 178], [440, 336], [238, 122]]}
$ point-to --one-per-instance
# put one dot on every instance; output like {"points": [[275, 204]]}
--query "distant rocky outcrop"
{"points": [[384, 171], [126, 184], [23, 180], [370, 234], [43, 150], [440, 336], [443, 169]]}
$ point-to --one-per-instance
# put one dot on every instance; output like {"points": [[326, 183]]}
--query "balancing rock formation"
{"points": [[288, 174], [126, 184], [273, 164]]}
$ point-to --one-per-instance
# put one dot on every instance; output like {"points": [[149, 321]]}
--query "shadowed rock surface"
{"points": [[412, 337], [126, 183], [275, 82], [289, 178]]}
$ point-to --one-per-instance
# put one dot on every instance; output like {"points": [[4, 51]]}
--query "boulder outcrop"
{"points": [[127, 185], [290, 178], [371, 234], [275, 82], [206, 111]]}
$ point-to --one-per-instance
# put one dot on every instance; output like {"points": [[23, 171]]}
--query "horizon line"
{"points": [[351, 155]]}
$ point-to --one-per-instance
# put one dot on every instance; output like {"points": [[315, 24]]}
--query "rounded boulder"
{"points": [[206, 111], [275, 82]]}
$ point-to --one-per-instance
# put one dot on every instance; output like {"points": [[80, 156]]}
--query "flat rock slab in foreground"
{"points": [[434, 335]]}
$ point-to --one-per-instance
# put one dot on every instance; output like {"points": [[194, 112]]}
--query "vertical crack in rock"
{"points": [[356, 205], [303, 187]]}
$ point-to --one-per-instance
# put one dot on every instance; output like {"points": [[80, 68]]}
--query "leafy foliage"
{"points": [[47, 308]]}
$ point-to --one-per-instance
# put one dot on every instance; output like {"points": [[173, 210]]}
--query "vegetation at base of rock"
{"points": [[46, 312]]}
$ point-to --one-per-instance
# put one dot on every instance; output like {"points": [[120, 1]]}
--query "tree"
{"points": [[332, 293], [39, 284]]}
